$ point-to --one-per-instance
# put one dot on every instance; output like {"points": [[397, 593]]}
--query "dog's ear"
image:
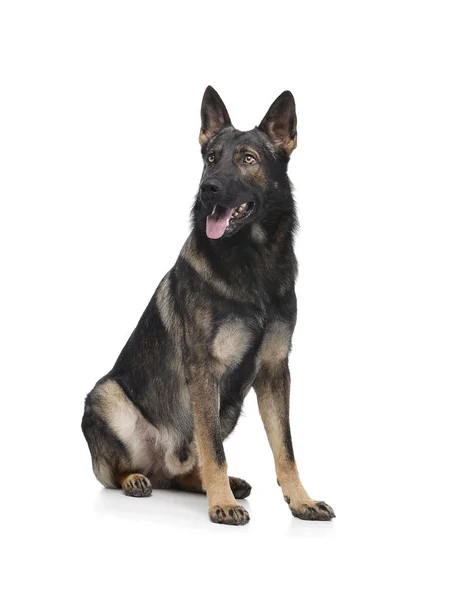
{"points": [[280, 123], [214, 115]]}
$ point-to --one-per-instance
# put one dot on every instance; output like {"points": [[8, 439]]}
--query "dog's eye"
{"points": [[249, 159], [211, 157]]}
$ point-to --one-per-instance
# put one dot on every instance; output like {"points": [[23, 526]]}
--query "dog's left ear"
{"points": [[280, 123], [214, 115]]}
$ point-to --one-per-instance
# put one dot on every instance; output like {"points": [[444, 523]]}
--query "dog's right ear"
{"points": [[214, 115]]}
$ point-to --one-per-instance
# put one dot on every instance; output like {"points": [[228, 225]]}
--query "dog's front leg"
{"points": [[204, 393], [272, 386]]}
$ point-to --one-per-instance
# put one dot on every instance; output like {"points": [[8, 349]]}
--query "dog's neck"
{"points": [[260, 251]]}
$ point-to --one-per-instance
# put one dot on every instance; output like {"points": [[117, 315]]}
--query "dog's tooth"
{"points": [[243, 206]]}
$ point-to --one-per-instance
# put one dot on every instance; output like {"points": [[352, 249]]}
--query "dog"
{"points": [[220, 323]]}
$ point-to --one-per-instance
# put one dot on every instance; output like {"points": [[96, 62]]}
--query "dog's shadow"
{"points": [[163, 507], [184, 510]]}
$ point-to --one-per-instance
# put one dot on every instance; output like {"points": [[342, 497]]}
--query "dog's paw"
{"points": [[311, 510], [229, 515], [240, 488], [137, 485]]}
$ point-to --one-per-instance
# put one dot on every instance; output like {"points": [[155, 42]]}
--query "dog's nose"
{"points": [[211, 186]]}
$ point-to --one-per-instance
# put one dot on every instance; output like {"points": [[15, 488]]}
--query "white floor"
{"points": [[66, 537]]}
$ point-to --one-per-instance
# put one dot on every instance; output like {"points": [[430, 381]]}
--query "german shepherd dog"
{"points": [[219, 323]]}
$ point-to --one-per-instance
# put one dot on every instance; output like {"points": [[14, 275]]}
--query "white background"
{"points": [[99, 164]]}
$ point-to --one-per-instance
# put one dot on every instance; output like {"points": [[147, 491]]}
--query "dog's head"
{"points": [[243, 170]]}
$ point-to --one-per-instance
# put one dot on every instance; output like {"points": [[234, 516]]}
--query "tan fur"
{"points": [[254, 174], [258, 234], [149, 448], [191, 482], [215, 480], [125, 478], [231, 342], [289, 480], [272, 385], [290, 144], [286, 470], [174, 464], [165, 304], [199, 263], [124, 419], [135, 484], [243, 149], [170, 320], [269, 409], [276, 343], [203, 138]]}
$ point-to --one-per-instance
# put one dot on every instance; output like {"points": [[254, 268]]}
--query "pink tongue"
{"points": [[217, 222]]}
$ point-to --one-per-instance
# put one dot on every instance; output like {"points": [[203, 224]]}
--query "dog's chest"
{"points": [[231, 342], [235, 339]]}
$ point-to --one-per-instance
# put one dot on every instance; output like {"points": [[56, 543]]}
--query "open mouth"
{"points": [[225, 219]]}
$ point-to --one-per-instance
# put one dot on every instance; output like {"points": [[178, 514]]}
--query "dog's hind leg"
{"points": [[116, 436], [240, 488], [135, 484], [192, 482], [189, 482], [108, 454]]}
